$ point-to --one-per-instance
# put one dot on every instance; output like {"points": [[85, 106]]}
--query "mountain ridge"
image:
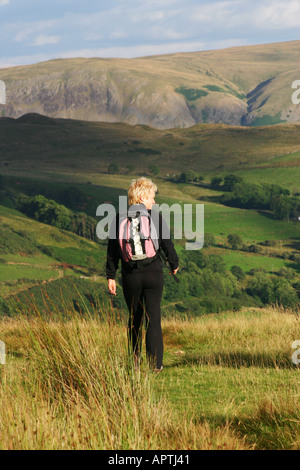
{"points": [[247, 85]]}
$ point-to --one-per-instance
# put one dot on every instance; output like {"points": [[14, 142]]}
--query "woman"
{"points": [[143, 282]]}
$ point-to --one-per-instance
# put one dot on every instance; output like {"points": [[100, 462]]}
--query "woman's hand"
{"points": [[175, 270], [112, 286]]}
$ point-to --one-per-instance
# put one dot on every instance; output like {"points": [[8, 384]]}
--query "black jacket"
{"points": [[114, 254]]}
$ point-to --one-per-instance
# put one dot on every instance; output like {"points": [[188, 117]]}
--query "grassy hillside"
{"points": [[36, 254], [228, 383], [68, 161], [35, 144], [242, 85]]}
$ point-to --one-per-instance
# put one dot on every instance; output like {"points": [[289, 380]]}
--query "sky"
{"points": [[33, 31]]}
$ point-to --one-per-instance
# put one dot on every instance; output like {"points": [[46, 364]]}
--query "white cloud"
{"points": [[151, 49], [123, 52], [134, 51], [25, 31], [278, 15], [131, 28], [44, 40], [22, 60], [118, 35], [258, 15]]}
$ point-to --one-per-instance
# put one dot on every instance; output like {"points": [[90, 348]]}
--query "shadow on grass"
{"points": [[267, 214], [294, 244], [236, 360]]}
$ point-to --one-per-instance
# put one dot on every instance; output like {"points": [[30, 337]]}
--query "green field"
{"points": [[249, 261]]}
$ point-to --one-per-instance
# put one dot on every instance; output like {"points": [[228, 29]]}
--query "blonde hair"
{"points": [[139, 188]]}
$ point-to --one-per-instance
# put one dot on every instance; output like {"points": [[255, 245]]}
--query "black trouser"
{"points": [[143, 293]]}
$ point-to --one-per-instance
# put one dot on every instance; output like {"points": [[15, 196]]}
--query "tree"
{"points": [[284, 293], [72, 197], [287, 273], [261, 286], [198, 179], [230, 181], [216, 264], [154, 169], [130, 168], [237, 272], [283, 206], [235, 241], [209, 239], [215, 182], [113, 168], [271, 290]]}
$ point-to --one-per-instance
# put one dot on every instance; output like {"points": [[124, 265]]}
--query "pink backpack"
{"points": [[138, 238]]}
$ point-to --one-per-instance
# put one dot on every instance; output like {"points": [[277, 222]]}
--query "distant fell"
{"points": [[248, 86], [34, 143]]}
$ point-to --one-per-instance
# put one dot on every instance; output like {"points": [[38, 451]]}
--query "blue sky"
{"points": [[36, 30]]}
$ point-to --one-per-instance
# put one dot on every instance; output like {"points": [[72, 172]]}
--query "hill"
{"points": [[35, 255], [236, 86], [35, 144]]}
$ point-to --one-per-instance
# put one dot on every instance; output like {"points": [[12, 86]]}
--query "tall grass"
{"points": [[71, 384], [259, 337]]}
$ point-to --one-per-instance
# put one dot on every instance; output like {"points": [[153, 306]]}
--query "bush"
{"points": [[113, 168], [295, 257], [272, 290], [216, 182], [209, 239], [237, 272], [270, 243], [255, 249], [288, 273], [235, 241], [154, 169], [50, 212]]}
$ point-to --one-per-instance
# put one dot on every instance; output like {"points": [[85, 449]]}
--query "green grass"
{"points": [[224, 366], [267, 120], [253, 226], [219, 393], [27, 272], [191, 94], [250, 261], [21, 259], [287, 177], [228, 383]]}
